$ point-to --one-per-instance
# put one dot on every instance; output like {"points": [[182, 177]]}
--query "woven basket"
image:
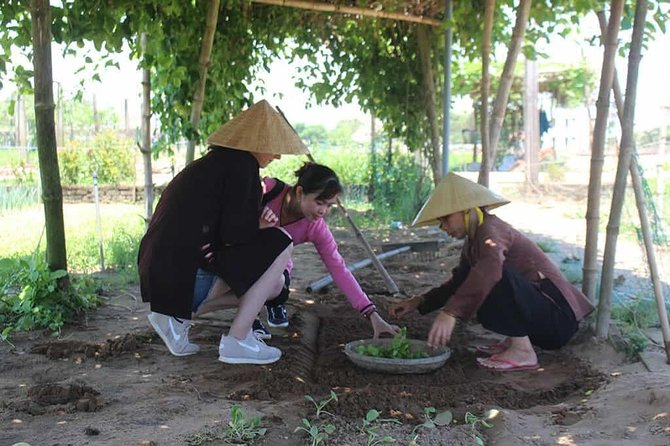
{"points": [[436, 359]]}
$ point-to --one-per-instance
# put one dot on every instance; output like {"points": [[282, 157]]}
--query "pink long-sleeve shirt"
{"points": [[319, 234]]}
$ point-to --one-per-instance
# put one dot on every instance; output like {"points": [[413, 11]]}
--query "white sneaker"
{"points": [[250, 350], [174, 333]]}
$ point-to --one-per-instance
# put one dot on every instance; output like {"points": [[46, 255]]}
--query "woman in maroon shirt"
{"points": [[503, 278]]}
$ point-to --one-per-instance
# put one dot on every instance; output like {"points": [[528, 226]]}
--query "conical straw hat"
{"points": [[260, 128], [455, 194]]}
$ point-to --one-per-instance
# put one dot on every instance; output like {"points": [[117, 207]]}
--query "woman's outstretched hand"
{"points": [[406, 306], [267, 219], [380, 326], [440, 332]]}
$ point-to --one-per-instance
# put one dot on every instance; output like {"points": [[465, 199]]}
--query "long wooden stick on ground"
{"points": [[390, 284]]}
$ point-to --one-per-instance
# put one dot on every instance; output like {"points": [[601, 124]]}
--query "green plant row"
{"points": [[244, 429]]}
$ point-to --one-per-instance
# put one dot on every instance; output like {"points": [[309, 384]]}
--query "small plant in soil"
{"points": [[399, 349], [319, 405], [318, 433], [241, 429], [371, 427], [432, 419], [476, 423]]}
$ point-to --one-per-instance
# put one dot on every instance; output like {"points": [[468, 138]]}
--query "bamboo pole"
{"points": [[328, 279], [424, 39], [52, 191], [644, 219], [531, 123], [651, 258], [390, 284], [330, 7], [590, 267], [145, 148], [506, 79], [446, 100], [485, 85], [203, 66], [623, 166]]}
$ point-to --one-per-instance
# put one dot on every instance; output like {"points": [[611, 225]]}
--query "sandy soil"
{"points": [[109, 379]]}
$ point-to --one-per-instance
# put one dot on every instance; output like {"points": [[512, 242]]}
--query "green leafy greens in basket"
{"points": [[399, 349]]}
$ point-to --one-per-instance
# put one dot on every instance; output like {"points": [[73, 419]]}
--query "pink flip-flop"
{"points": [[491, 349], [507, 364]]}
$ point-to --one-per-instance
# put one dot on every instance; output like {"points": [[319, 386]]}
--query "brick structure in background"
{"points": [[107, 193]]}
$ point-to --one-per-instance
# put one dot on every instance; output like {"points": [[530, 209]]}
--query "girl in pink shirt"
{"points": [[300, 211]]}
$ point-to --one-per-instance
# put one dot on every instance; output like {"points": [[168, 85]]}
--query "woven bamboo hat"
{"points": [[455, 194], [261, 129]]}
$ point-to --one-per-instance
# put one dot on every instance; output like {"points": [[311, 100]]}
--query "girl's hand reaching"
{"points": [[380, 326], [267, 219]]}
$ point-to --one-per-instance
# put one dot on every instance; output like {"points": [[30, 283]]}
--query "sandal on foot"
{"points": [[499, 364], [491, 349]]}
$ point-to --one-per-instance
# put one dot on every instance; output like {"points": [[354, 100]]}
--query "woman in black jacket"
{"points": [[205, 233]]}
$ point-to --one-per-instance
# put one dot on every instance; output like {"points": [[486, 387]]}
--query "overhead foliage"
{"points": [[244, 44], [341, 57], [373, 61]]}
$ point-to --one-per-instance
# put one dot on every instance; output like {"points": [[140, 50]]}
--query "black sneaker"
{"points": [[277, 316], [260, 330]]}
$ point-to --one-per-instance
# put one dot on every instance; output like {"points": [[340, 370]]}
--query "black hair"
{"points": [[320, 179]]}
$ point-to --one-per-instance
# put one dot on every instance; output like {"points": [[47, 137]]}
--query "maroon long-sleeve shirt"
{"points": [[496, 244]]}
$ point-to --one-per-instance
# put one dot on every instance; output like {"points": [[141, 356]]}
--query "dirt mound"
{"points": [[50, 394], [128, 343], [59, 398]]}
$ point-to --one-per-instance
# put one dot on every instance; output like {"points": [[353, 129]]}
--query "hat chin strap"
{"points": [[478, 214]]}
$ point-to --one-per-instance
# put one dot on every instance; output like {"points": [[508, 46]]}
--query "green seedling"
{"points": [[475, 422], [243, 429], [432, 419], [318, 433], [240, 430], [399, 349], [370, 427], [319, 405]]}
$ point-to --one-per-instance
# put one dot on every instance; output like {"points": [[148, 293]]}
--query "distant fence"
{"points": [[107, 194]]}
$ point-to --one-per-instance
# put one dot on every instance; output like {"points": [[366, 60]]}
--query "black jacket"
{"points": [[216, 200]]}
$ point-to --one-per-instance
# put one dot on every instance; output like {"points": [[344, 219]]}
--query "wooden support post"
{"points": [[531, 123], [644, 219]]}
